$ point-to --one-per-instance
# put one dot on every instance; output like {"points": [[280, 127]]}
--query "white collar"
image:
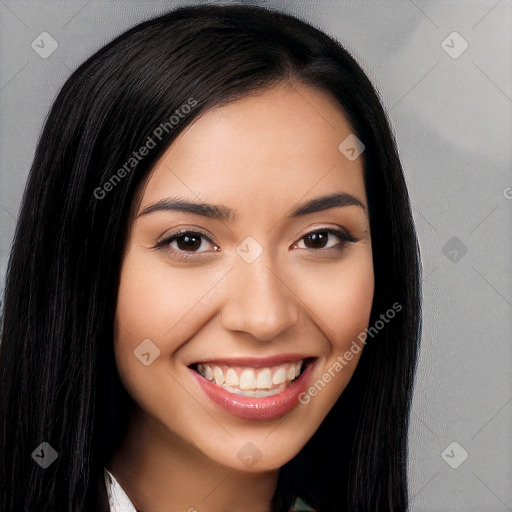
{"points": [[117, 498], [119, 501]]}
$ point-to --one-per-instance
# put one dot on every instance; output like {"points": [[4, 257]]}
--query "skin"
{"points": [[262, 156]]}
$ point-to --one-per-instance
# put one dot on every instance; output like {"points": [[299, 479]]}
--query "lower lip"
{"points": [[256, 408]]}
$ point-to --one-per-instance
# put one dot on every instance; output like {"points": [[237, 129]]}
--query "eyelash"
{"points": [[345, 236]]}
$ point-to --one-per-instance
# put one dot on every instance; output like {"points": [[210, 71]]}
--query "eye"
{"points": [[186, 241], [320, 239]]}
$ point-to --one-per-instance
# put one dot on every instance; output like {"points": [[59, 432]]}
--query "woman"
{"points": [[213, 296]]}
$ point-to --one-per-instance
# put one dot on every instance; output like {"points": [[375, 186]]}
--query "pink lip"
{"points": [[256, 408]]}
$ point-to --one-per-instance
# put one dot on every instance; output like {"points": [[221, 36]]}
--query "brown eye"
{"points": [[316, 240], [321, 239], [187, 242]]}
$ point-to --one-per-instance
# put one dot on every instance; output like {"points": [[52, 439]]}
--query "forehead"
{"points": [[265, 151]]}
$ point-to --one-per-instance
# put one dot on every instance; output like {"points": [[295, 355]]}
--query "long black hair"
{"points": [[59, 382]]}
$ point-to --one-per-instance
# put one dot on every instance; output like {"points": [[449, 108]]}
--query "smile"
{"points": [[259, 382], [258, 389]]}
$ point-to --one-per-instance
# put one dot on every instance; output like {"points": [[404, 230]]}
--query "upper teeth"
{"points": [[250, 378]]}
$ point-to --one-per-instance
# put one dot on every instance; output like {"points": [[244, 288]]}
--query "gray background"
{"points": [[452, 118]]}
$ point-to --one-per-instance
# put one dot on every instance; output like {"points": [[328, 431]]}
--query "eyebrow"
{"points": [[223, 213]]}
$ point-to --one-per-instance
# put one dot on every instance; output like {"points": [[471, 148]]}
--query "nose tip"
{"points": [[259, 302]]}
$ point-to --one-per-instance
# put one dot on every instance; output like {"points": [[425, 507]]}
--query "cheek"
{"points": [[341, 298], [159, 304], [149, 307], [154, 302], [341, 306], [142, 313]]}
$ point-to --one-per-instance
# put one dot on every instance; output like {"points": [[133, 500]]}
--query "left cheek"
{"points": [[342, 302]]}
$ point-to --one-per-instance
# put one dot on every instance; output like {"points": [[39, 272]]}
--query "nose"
{"points": [[259, 301]]}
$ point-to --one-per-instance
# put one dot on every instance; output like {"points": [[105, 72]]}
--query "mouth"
{"points": [[248, 381], [254, 388]]}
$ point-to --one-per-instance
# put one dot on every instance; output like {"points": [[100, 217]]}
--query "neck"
{"points": [[159, 472]]}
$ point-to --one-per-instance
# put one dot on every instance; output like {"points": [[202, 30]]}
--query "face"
{"points": [[234, 323]]}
